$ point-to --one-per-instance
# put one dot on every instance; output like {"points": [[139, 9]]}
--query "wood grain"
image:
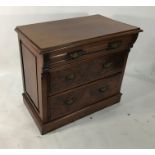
{"points": [[73, 100], [72, 75], [73, 67], [49, 35], [30, 72]]}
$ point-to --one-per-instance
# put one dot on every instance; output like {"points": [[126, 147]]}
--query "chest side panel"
{"points": [[30, 74]]}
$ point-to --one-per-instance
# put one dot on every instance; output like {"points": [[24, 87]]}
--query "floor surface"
{"points": [[128, 124]]}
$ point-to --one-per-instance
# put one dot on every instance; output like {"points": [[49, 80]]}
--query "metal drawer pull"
{"points": [[75, 54], [70, 77], [114, 45], [69, 101], [108, 65], [103, 89]]}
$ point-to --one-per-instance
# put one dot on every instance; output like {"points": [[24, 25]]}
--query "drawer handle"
{"points": [[103, 89], [108, 65], [114, 45], [69, 101], [70, 77], [75, 54]]}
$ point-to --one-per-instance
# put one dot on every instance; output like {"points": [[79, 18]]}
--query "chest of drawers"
{"points": [[73, 67]]}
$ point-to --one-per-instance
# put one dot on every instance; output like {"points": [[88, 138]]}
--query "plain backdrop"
{"points": [[139, 81]]}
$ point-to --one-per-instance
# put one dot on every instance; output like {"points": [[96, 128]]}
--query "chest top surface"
{"points": [[49, 35]]}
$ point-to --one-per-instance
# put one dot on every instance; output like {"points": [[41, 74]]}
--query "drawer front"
{"points": [[83, 51], [73, 100], [80, 73]]}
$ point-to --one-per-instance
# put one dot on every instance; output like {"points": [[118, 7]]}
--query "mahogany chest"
{"points": [[73, 67]]}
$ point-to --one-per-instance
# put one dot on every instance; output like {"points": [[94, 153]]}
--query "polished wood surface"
{"points": [[49, 35], [82, 72], [73, 100], [30, 74], [73, 67], [123, 42], [52, 125]]}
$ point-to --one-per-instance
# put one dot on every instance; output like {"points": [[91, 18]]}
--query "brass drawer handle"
{"points": [[69, 101], [75, 54], [70, 77], [108, 65], [114, 45], [103, 89]]}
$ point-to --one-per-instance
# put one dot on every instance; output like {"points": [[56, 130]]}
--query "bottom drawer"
{"points": [[75, 99]]}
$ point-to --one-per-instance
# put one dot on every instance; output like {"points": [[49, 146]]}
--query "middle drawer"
{"points": [[72, 75]]}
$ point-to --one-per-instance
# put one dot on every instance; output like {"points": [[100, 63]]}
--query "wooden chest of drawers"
{"points": [[73, 67]]}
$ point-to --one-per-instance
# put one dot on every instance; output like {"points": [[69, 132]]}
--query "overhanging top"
{"points": [[54, 34]]}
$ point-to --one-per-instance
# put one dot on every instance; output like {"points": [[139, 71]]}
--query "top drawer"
{"points": [[83, 51]]}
